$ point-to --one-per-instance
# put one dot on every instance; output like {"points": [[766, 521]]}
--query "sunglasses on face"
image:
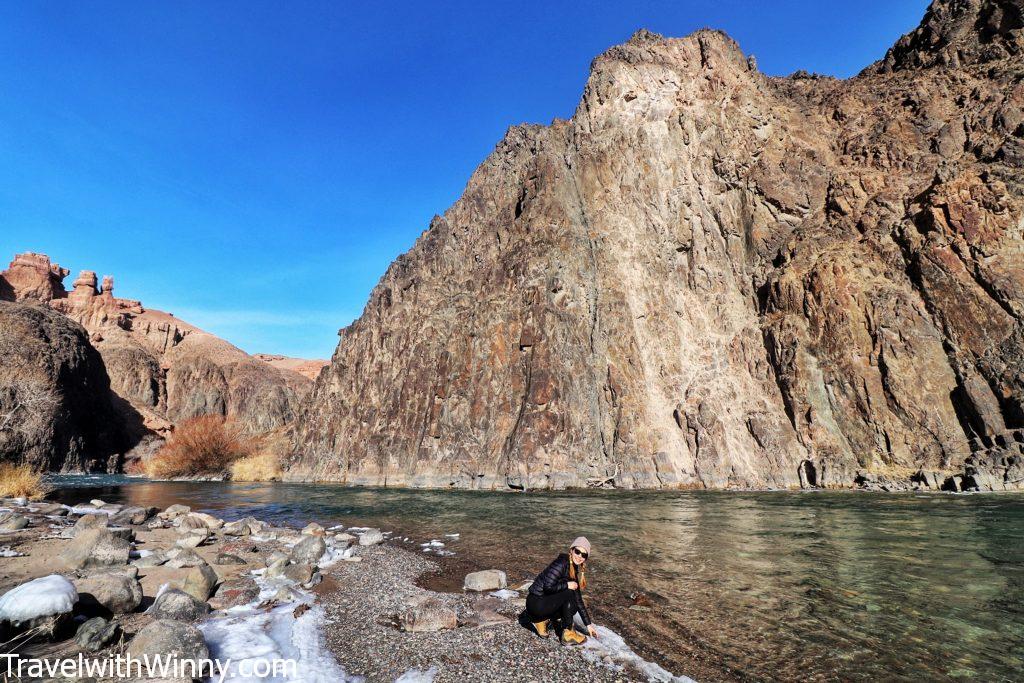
{"points": [[581, 553]]}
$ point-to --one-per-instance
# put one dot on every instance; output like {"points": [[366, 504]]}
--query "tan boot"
{"points": [[542, 627], [571, 637]]}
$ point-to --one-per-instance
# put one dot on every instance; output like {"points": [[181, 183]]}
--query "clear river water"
{"points": [[736, 586]]}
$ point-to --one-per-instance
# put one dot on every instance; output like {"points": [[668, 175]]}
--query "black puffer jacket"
{"points": [[556, 578]]}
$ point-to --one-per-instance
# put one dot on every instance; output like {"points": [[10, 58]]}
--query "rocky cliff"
{"points": [[709, 277], [55, 403], [162, 370]]}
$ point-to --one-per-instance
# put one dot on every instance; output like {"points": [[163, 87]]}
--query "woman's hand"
{"points": [[572, 585], [592, 631]]}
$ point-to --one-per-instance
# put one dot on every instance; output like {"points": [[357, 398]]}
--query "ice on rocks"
{"points": [[611, 650], [42, 597], [248, 634], [418, 676]]}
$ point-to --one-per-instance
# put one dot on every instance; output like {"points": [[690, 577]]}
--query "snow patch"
{"points": [[42, 597], [7, 551], [612, 651], [418, 676], [504, 594]]}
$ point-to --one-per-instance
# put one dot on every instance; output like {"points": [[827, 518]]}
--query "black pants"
{"points": [[560, 606]]}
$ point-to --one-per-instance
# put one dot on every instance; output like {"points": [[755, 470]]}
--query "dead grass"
{"points": [[265, 463], [18, 481], [202, 446]]}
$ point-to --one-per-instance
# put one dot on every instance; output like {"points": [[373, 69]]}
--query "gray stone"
{"points": [[313, 529], [109, 594], [371, 537], [429, 615], [309, 550], [184, 557], [95, 548], [193, 539], [300, 572], [174, 511], [486, 580], [188, 523], [153, 559], [169, 638], [276, 568], [178, 605], [12, 522], [132, 514], [239, 528], [200, 581], [94, 634], [228, 559], [92, 521]]}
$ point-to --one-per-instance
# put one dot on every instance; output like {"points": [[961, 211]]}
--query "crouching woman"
{"points": [[557, 594]]}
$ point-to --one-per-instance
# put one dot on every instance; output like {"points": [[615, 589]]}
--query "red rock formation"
{"points": [[32, 276], [306, 368], [162, 369]]}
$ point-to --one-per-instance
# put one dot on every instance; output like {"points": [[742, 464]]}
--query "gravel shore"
{"points": [[363, 601]]}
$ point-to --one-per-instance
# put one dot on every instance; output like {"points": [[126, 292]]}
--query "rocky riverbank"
{"points": [[102, 580]]}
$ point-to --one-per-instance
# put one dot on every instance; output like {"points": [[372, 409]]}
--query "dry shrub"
{"points": [[265, 463], [21, 481], [202, 446]]}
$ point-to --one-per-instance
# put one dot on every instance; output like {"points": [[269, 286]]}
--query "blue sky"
{"points": [[253, 167]]}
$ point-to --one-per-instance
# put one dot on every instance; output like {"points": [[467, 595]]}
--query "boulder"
{"points": [[189, 522], [153, 559], [276, 568], [239, 528], [228, 559], [200, 581], [95, 634], [300, 572], [184, 557], [52, 509], [275, 556], [177, 605], [107, 594], [210, 521], [309, 550], [313, 529], [429, 615], [133, 514], [10, 521], [486, 580], [371, 537], [193, 539], [234, 592], [174, 511], [95, 548], [169, 638]]}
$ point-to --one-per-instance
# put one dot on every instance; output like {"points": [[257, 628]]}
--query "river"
{"points": [[742, 586]]}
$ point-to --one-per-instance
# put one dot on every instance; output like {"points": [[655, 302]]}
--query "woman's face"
{"points": [[577, 555]]}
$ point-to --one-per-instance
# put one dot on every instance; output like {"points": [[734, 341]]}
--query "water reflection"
{"points": [[764, 585]]}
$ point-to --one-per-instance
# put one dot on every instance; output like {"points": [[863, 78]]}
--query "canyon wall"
{"points": [[161, 369], [709, 277]]}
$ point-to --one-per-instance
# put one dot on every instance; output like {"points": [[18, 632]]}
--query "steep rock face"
{"points": [[55, 407], [162, 369], [708, 277]]}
